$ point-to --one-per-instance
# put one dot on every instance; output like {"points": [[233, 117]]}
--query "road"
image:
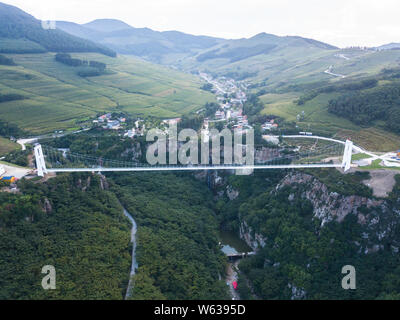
{"points": [[356, 148], [340, 55], [24, 141], [329, 71]]}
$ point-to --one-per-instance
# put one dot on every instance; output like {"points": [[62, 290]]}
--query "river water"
{"points": [[231, 243], [134, 264]]}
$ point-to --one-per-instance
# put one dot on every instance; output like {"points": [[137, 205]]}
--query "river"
{"points": [[134, 264], [232, 244]]}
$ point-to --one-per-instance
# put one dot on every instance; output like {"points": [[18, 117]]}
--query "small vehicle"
{"points": [[235, 285]]}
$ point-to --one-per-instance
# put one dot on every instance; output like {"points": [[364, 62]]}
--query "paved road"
{"points": [[356, 148], [23, 142], [31, 140], [329, 71]]}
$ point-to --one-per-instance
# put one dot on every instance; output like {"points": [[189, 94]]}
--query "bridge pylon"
{"points": [[40, 162], [348, 151]]}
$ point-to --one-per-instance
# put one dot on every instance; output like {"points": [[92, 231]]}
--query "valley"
{"points": [[90, 92]]}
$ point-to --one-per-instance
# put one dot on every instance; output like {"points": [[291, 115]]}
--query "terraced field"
{"points": [[316, 115], [317, 119], [57, 98], [299, 65]]}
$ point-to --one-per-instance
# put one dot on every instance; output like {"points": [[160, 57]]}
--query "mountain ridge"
{"points": [[173, 47], [21, 32]]}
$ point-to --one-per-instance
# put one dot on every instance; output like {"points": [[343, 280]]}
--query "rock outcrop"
{"points": [[379, 218], [328, 206], [47, 207], [253, 239]]}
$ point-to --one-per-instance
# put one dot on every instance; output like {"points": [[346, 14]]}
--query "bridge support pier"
{"points": [[244, 172], [348, 151], [40, 163]]}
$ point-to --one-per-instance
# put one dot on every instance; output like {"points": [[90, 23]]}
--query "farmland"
{"points": [[57, 98], [315, 111], [317, 119], [7, 146]]}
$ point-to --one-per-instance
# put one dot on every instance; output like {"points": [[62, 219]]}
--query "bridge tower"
{"points": [[348, 151], [40, 163]]}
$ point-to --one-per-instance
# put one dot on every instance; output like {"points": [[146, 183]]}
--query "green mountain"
{"points": [[269, 62], [389, 46], [144, 42], [258, 56], [186, 51], [22, 33], [107, 25], [263, 43]]}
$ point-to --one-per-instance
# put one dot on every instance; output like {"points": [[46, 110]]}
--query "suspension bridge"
{"points": [[55, 160]]}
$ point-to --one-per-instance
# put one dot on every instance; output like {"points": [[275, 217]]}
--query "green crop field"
{"points": [[359, 156], [7, 146], [316, 115], [57, 98]]}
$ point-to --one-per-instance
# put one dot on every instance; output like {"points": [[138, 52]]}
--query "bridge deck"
{"points": [[193, 168], [241, 254]]}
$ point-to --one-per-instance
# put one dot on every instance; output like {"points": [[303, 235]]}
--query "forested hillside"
{"points": [[69, 222], [300, 257], [177, 246], [366, 107], [75, 223]]}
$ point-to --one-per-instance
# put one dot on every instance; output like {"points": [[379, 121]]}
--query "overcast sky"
{"points": [[338, 22]]}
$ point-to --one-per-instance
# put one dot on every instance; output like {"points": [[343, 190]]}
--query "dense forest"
{"points": [[19, 157], [178, 219], [303, 260], [87, 68], [366, 107], [75, 223], [342, 87], [69, 222], [177, 250]]}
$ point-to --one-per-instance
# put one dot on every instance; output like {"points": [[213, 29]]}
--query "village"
{"points": [[230, 96]]}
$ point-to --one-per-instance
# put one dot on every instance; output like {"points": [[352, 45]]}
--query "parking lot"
{"points": [[17, 172]]}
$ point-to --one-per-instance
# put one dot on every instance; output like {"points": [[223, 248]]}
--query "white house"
{"points": [[130, 133]]}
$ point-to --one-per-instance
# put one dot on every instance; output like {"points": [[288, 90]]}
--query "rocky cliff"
{"points": [[379, 219]]}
